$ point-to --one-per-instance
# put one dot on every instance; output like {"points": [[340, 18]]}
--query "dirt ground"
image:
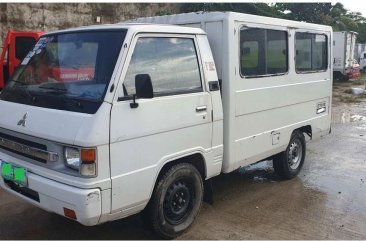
{"points": [[326, 201]]}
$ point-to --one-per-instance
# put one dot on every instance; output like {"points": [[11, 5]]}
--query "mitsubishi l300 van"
{"points": [[102, 122]]}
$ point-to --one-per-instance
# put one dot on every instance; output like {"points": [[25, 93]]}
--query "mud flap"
{"points": [[208, 192]]}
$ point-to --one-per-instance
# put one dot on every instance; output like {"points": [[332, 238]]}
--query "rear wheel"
{"points": [[176, 201], [288, 163]]}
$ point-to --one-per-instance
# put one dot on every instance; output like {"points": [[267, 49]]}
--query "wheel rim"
{"points": [[294, 154], [178, 201]]}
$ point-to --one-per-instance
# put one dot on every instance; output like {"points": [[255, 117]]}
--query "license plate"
{"points": [[15, 174]]}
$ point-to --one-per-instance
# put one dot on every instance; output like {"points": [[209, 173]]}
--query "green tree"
{"points": [[335, 15], [306, 12], [262, 9]]}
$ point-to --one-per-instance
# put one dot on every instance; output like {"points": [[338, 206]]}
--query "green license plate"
{"points": [[15, 174]]}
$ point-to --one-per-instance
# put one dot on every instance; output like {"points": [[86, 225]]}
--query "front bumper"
{"points": [[54, 197]]}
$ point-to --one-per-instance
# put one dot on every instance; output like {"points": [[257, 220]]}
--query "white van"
{"points": [[102, 122]]}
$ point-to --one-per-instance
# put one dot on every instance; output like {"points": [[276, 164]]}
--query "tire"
{"points": [[176, 201], [288, 164], [345, 77]]}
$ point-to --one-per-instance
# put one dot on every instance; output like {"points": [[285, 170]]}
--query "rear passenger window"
{"points": [[171, 63], [311, 52], [263, 52]]}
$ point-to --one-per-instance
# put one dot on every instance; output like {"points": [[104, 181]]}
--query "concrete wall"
{"points": [[52, 16]]}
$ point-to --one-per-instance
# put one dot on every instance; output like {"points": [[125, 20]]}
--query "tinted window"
{"points": [[263, 51], [311, 52], [171, 63], [22, 46]]}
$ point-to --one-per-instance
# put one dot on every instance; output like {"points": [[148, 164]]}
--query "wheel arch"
{"points": [[196, 159], [307, 130]]}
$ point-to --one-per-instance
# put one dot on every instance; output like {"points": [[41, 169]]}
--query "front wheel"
{"points": [[288, 163], [176, 201]]}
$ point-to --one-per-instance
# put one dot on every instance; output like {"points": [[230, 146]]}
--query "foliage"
{"points": [[334, 15], [163, 12], [262, 9]]}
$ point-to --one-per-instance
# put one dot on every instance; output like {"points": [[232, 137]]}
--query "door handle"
{"points": [[201, 108]]}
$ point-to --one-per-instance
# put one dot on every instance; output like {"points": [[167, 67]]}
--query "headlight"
{"points": [[83, 160], [72, 157]]}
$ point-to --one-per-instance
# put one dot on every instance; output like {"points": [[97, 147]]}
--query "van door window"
{"points": [[263, 52], [311, 52], [171, 62]]}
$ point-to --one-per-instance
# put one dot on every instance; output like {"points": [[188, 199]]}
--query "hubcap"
{"points": [[295, 154], [177, 202]]}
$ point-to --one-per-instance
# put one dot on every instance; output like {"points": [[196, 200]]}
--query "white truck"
{"points": [[362, 61], [150, 124], [343, 54]]}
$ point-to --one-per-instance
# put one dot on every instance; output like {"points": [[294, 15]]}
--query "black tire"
{"points": [[176, 201], [345, 77], [288, 164]]}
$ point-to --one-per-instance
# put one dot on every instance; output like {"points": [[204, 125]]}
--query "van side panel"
{"points": [[268, 109], [260, 114], [215, 29]]}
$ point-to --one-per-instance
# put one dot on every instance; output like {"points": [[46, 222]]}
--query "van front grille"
{"points": [[26, 148]]}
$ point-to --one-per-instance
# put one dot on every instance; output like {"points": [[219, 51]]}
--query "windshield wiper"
{"points": [[18, 82], [26, 91], [52, 88]]}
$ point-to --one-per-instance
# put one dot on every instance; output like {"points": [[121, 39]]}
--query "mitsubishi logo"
{"points": [[22, 121]]}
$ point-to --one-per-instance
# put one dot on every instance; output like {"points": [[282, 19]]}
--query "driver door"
{"points": [[175, 122]]}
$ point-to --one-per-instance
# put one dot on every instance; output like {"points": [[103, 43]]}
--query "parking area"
{"points": [[326, 201]]}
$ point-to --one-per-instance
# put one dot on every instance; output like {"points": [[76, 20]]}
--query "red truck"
{"points": [[16, 47]]}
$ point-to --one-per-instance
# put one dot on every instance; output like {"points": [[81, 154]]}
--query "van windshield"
{"points": [[67, 71]]}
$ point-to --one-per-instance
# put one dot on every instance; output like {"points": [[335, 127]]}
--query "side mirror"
{"points": [[144, 89]]}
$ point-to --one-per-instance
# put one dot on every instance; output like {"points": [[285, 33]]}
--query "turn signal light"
{"points": [[69, 213], [88, 155], [88, 167]]}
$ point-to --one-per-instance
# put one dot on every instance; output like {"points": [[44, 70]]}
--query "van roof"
{"points": [[194, 17], [136, 27]]}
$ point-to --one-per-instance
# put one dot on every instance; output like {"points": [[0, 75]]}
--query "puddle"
{"points": [[259, 172], [345, 117], [357, 118], [259, 166]]}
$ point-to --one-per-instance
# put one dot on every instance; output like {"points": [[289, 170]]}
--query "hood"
{"points": [[61, 126]]}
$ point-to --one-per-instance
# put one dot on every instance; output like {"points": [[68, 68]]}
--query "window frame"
{"points": [[135, 39], [274, 28], [327, 48]]}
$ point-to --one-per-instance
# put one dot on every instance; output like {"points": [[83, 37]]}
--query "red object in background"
{"points": [[65, 74], [16, 47], [354, 73]]}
